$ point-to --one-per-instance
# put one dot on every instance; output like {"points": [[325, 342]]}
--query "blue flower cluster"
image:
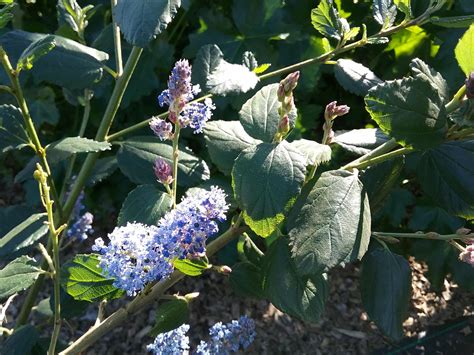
{"points": [[180, 91], [174, 342], [229, 338], [133, 256], [138, 254], [225, 339], [81, 227], [193, 221]]}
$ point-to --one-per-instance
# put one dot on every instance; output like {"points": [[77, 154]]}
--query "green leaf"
{"points": [[314, 152], [326, 20], [18, 275], [432, 218], [385, 12], [12, 133], [381, 179], [71, 64], [170, 315], [22, 341], [395, 206], [102, 170], [141, 21], [24, 235], [259, 115], [219, 76], [386, 290], [138, 154], [464, 50], [246, 280], [360, 141], [331, 224], [190, 267], [405, 7], [289, 291], [62, 150], [423, 71], [411, 110], [445, 173], [84, 280], [145, 204], [42, 106], [355, 77], [35, 51], [266, 180], [225, 140], [453, 21], [6, 13]]}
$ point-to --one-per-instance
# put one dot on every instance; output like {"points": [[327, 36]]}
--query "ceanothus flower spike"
{"points": [[174, 342]]}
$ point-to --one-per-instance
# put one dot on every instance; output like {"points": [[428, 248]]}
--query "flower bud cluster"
{"points": [[331, 112], [178, 95], [138, 254], [225, 338], [285, 97], [163, 171], [470, 86]]}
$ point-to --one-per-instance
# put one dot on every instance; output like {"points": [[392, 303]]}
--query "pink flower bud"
{"points": [[163, 171], [332, 111], [284, 125], [287, 85], [468, 255], [470, 86]]}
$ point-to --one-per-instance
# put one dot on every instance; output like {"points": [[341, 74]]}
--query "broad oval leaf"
{"points": [[225, 140], [18, 275], [314, 152], [246, 280], [12, 133], [35, 51], [424, 71], [360, 141], [385, 12], [142, 20], [446, 174], [331, 224], [355, 77], [145, 204], [83, 279], [386, 290], [464, 50], [266, 180], [189, 267], [62, 150], [410, 110], [170, 315], [326, 19], [259, 115], [23, 235], [138, 154], [21, 341], [220, 77], [298, 295], [70, 65]]}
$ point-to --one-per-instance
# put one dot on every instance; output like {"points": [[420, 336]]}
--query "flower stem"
{"points": [[117, 44], [175, 161], [429, 235], [107, 119], [144, 300], [378, 159], [40, 151]]}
